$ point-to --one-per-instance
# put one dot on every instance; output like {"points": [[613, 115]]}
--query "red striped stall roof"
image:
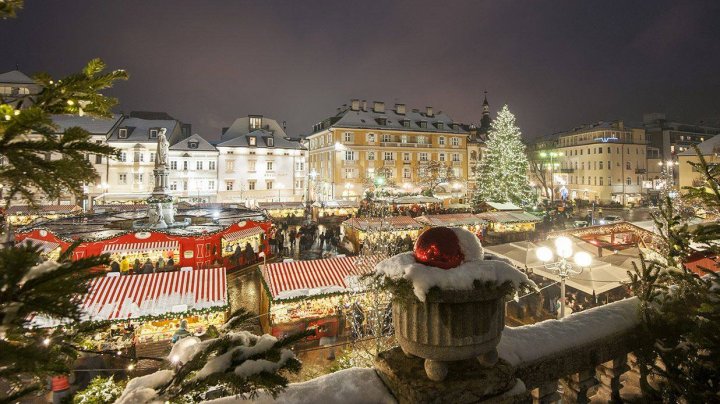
{"points": [[133, 296], [315, 274], [45, 246], [240, 234], [141, 247]]}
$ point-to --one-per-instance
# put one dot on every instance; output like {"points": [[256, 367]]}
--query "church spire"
{"points": [[485, 121]]}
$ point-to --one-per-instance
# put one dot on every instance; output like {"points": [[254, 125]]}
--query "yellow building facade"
{"points": [[350, 151]]}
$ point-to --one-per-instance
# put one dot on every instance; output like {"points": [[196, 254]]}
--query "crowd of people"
{"points": [[125, 267]]}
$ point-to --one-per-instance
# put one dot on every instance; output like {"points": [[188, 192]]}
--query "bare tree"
{"points": [[433, 173]]}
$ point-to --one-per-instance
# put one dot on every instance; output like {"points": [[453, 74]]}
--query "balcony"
{"points": [[401, 144], [640, 171], [349, 163], [567, 170]]}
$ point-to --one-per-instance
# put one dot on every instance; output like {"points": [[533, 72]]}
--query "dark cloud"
{"points": [[556, 63]]}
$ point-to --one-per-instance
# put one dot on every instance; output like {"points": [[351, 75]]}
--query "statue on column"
{"points": [[163, 148]]}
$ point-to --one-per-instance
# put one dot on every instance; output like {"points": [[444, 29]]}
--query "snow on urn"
{"points": [[456, 310]]}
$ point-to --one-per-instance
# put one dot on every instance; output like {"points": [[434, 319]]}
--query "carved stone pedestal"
{"points": [[466, 382]]}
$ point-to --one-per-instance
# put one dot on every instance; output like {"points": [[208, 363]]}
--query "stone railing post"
{"points": [[608, 374], [576, 386], [547, 393]]}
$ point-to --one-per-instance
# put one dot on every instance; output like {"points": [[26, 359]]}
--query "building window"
{"points": [[122, 178], [299, 184], [252, 141], [456, 157], [406, 173], [628, 181], [185, 185], [349, 155], [153, 133], [423, 124], [600, 150], [185, 165], [138, 157], [193, 145], [371, 156], [255, 122], [123, 157], [349, 173], [601, 180], [601, 165], [173, 186], [348, 137], [455, 141], [406, 156], [229, 185], [423, 156], [271, 142], [152, 157], [406, 123], [173, 165], [211, 165], [268, 184], [627, 165], [269, 165], [441, 156], [122, 133], [299, 166], [370, 138], [211, 185], [98, 159], [138, 178], [441, 140], [230, 165], [198, 165], [251, 165], [386, 138], [421, 139], [388, 156]]}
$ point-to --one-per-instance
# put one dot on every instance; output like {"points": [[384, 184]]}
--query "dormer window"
{"points": [[382, 121], [122, 133], [423, 124], [255, 122], [153, 133], [193, 144], [252, 141], [270, 142], [440, 125], [406, 123]]}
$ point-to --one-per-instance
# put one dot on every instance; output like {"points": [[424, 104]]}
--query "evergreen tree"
{"points": [[681, 309], [502, 174]]}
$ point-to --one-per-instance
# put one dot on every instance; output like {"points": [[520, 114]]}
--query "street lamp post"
{"points": [[563, 267]]}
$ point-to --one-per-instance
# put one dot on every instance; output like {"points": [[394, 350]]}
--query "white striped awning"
{"points": [[241, 234], [133, 296], [45, 246], [302, 278], [128, 248]]}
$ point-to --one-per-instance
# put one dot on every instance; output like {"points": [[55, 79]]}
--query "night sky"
{"points": [[557, 64]]}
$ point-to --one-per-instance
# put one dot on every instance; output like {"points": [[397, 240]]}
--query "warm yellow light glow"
{"points": [[544, 254], [583, 259]]}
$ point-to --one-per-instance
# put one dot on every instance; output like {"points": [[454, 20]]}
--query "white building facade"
{"points": [[259, 163]]}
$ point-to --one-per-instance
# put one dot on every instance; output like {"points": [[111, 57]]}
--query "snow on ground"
{"points": [[424, 277], [349, 386], [528, 343]]}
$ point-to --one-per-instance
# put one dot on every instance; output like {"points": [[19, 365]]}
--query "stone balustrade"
{"points": [[585, 352]]}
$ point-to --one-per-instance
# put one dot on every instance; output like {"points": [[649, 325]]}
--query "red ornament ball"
{"points": [[439, 247]]}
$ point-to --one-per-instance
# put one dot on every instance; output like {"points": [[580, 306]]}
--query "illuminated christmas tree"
{"points": [[503, 171]]}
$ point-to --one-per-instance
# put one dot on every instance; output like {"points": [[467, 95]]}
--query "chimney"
{"points": [[364, 105], [378, 106], [428, 111], [355, 104], [400, 109]]}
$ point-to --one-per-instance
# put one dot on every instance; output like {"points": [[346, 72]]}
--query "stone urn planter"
{"points": [[451, 325]]}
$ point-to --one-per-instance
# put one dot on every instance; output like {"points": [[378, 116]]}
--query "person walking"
{"points": [[293, 236], [124, 266], [280, 240]]}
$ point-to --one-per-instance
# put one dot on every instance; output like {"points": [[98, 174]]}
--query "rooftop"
{"points": [[15, 77]]}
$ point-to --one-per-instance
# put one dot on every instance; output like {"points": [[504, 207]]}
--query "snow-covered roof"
{"points": [[15, 77], [138, 130], [503, 206], [199, 141], [94, 125], [262, 141], [405, 200]]}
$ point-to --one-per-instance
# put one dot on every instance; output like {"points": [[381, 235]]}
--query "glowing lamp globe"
{"points": [[439, 247], [563, 246], [583, 259], [544, 254]]}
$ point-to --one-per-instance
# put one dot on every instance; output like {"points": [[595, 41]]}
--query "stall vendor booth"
{"points": [[359, 229], [49, 244], [334, 210], [153, 306], [231, 241], [283, 210], [23, 215], [304, 295], [507, 226], [467, 221]]}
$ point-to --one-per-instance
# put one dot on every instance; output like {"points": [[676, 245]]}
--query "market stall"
{"points": [[23, 215], [241, 238], [283, 210], [153, 305], [48, 249], [388, 229], [303, 295], [154, 248], [332, 210], [506, 226], [467, 221]]}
